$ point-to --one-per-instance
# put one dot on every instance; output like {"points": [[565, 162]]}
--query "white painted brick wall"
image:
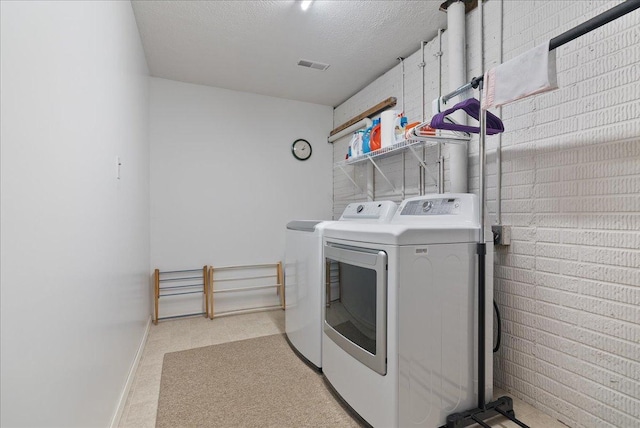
{"points": [[569, 285]]}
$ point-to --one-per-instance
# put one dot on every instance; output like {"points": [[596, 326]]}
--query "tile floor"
{"points": [[179, 335]]}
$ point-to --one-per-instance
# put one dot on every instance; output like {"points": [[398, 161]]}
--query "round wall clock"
{"points": [[301, 149]]}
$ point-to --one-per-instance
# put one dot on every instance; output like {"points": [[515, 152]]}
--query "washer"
{"points": [[398, 339], [305, 273]]}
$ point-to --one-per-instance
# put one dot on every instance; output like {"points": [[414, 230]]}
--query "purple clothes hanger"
{"points": [[472, 107]]}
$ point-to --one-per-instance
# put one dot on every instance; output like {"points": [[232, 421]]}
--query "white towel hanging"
{"points": [[530, 73]]}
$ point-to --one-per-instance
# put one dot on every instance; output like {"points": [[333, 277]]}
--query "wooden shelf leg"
{"points": [[156, 292], [281, 285], [211, 287]]}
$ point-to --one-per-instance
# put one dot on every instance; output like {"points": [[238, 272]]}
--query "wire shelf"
{"points": [[415, 142]]}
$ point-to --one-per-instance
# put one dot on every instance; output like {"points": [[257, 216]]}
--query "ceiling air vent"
{"points": [[313, 64]]}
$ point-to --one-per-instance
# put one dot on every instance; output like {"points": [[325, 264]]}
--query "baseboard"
{"points": [[115, 421]]}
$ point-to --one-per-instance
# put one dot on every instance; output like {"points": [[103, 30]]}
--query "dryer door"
{"points": [[356, 316]]}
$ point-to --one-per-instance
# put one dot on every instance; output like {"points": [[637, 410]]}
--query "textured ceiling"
{"points": [[254, 46]]}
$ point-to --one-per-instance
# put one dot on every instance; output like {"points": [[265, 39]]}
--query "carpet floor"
{"points": [[256, 382]]}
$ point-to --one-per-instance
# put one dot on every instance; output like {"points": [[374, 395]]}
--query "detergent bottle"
{"points": [[375, 136], [400, 124], [387, 127], [366, 148], [355, 147]]}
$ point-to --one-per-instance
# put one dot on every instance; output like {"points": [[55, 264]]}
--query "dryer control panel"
{"points": [[380, 211], [439, 209], [444, 206]]}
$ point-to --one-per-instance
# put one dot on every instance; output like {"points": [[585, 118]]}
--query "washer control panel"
{"points": [[442, 206]]}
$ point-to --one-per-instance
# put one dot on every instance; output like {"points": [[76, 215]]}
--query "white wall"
{"points": [[569, 285], [223, 181], [74, 239]]}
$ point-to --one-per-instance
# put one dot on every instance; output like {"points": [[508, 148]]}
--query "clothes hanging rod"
{"points": [[595, 22], [564, 38]]}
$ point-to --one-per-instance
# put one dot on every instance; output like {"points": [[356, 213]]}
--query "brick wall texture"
{"points": [[568, 286]]}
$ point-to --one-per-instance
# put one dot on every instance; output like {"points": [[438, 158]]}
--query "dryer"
{"points": [[398, 339], [305, 273]]}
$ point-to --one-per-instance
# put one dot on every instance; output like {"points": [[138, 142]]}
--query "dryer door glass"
{"points": [[355, 313]]}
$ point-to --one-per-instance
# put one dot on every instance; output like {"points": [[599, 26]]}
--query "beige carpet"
{"points": [[257, 382]]}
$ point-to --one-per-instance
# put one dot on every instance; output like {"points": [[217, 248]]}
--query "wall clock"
{"points": [[301, 149]]}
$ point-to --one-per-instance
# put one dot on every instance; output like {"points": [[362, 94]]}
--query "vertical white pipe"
{"points": [[457, 77], [402, 80], [439, 54], [422, 174], [481, 36], [371, 182], [440, 157], [422, 65], [404, 178], [499, 148]]}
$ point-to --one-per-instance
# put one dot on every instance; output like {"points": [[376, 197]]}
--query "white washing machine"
{"points": [[398, 339], [305, 273]]}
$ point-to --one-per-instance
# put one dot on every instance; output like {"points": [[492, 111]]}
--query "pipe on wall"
{"points": [[364, 123], [499, 148], [421, 66], [404, 161], [422, 175], [440, 156], [402, 75], [457, 77]]}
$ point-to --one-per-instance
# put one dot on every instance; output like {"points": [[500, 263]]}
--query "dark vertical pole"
{"points": [[482, 251]]}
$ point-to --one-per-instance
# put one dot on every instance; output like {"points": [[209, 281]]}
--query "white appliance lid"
{"points": [[303, 225]]}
